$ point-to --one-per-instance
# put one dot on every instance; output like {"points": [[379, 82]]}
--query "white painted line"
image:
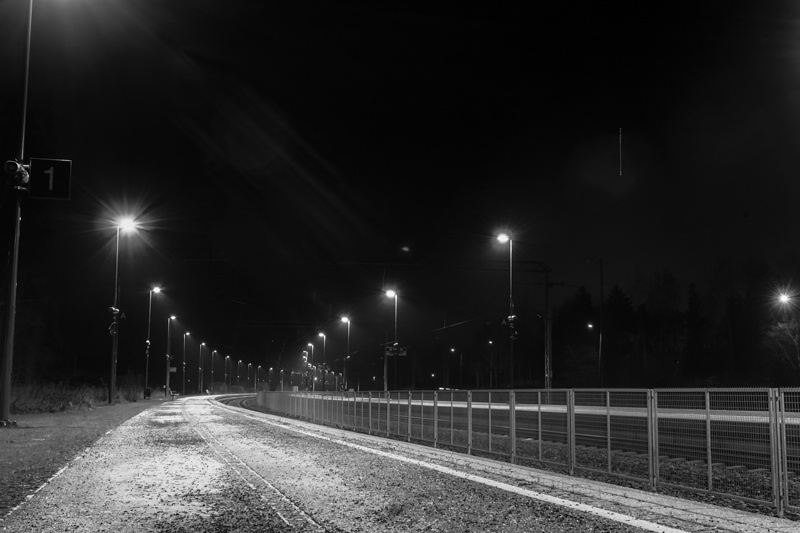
{"points": [[582, 507]]}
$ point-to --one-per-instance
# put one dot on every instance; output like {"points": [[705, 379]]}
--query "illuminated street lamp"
{"points": [[183, 371], [213, 353], [200, 370], [391, 294], [155, 290], [238, 373], [123, 225], [460, 365], [227, 357], [169, 348], [346, 320], [506, 238], [324, 353], [247, 382]]}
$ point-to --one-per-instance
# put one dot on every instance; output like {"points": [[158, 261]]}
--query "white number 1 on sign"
{"points": [[49, 172]]}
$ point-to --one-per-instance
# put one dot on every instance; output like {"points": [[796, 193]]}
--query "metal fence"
{"points": [[735, 443]]}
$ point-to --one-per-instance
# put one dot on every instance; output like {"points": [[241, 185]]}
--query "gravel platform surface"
{"points": [[196, 466]]}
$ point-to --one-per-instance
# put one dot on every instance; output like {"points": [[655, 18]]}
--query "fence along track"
{"points": [[735, 443]]}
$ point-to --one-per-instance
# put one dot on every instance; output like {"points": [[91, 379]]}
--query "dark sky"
{"points": [[280, 154]]}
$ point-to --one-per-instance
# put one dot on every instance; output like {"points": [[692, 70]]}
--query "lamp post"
{"points": [[225, 381], [346, 320], [390, 294], [183, 371], [123, 225], [155, 290], [238, 373], [311, 362], [460, 365], [505, 238], [213, 353], [281, 380], [324, 354], [169, 348], [200, 370], [247, 382]]}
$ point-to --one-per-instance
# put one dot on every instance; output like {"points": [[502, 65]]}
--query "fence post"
{"points": [[512, 425], [469, 422], [436, 418], [608, 429], [571, 432], [369, 413], [709, 471], [489, 433], [408, 435], [652, 437], [778, 451], [388, 412]]}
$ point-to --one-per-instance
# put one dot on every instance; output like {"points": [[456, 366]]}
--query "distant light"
{"points": [[589, 325], [391, 294], [321, 334], [503, 237], [452, 349], [173, 317]]}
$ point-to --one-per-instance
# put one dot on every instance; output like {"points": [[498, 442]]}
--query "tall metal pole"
{"points": [[511, 317], [147, 342], [548, 370], [112, 387], [8, 352], [200, 370], [600, 343], [183, 370], [169, 348]]}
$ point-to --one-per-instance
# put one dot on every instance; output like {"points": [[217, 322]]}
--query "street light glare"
{"points": [[173, 317], [156, 289], [127, 224], [503, 237], [784, 298], [345, 319], [391, 294]]}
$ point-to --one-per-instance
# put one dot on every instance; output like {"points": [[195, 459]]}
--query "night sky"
{"points": [[290, 160]]}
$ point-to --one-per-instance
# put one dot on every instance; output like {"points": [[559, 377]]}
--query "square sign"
{"points": [[50, 178]]}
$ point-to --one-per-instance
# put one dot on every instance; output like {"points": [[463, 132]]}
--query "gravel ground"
{"points": [[187, 466], [41, 444]]}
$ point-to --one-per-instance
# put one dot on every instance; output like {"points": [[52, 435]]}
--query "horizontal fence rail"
{"points": [[733, 443]]}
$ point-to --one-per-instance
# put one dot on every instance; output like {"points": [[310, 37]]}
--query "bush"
{"points": [[50, 397]]}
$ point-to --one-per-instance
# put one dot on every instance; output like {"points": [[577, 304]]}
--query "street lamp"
{"points": [[226, 369], [183, 371], [169, 348], [506, 238], [155, 290], [391, 294], [248, 375], [213, 353], [324, 353], [200, 370], [460, 365], [238, 368], [124, 225], [346, 320]]}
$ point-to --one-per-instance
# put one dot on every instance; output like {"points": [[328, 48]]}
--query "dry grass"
{"points": [[51, 397]]}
